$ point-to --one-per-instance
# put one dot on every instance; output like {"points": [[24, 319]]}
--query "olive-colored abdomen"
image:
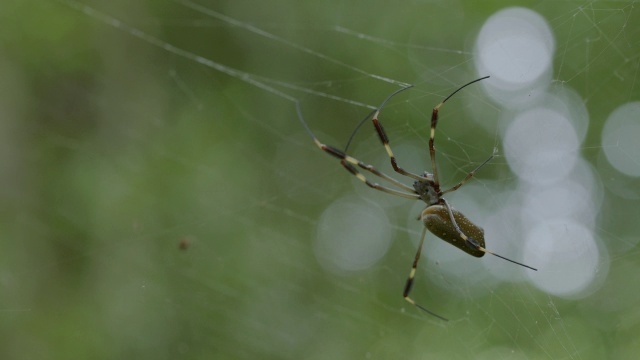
{"points": [[437, 220]]}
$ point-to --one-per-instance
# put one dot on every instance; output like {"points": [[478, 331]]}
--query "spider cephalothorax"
{"points": [[427, 191]]}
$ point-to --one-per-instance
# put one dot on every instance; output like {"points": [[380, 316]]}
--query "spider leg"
{"points": [[385, 141], [469, 176], [432, 134], [432, 148], [412, 275], [376, 172], [348, 163], [376, 186]]}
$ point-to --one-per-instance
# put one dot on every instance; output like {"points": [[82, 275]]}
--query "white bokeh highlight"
{"points": [[541, 146], [516, 47], [620, 139], [568, 199], [566, 253], [352, 235]]}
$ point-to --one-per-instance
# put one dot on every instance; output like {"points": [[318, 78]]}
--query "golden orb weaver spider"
{"points": [[438, 217]]}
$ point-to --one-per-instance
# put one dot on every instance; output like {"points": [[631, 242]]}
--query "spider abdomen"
{"points": [[437, 220]]}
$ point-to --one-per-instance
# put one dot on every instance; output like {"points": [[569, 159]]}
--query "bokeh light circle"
{"points": [[516, 47], [620, 139], [541, 146], [352, 235], [566, 255]]}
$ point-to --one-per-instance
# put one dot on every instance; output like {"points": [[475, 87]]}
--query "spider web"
{"points": [[163, 200]]}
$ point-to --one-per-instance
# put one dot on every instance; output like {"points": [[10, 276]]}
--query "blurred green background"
{"points": [[116, 150]]}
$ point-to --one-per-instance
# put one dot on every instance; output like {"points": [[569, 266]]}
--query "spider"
{"points": [[438, 216]]}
